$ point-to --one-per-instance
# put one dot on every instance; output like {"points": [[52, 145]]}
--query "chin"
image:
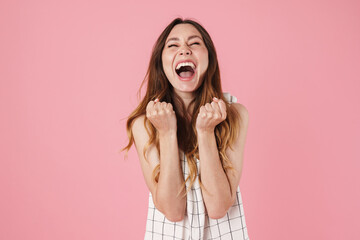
{"points": [[188, 87], [185, 86]]}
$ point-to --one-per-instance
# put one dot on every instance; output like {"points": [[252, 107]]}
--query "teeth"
{"points": [[185, 64]]}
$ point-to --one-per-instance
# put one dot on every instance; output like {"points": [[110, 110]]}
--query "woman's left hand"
{"points": [[211, 115]]}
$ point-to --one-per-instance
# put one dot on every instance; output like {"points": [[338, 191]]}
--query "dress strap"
{"points": [[229, 97]]}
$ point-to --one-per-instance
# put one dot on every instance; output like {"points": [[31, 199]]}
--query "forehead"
{"points": [[183, 30]]}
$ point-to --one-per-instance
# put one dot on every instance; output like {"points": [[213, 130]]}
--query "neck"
{"points": [[187, 97]]}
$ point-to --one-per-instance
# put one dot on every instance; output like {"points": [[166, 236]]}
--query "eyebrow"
{"points": [[177, 39]]}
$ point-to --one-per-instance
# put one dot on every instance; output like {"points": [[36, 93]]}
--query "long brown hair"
{"points": [[158, 87]]}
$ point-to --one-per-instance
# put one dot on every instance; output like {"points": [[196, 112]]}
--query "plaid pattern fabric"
{"points": [[196, 223]]}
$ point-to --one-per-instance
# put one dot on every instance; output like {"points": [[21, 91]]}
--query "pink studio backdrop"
{"points": [[69, 72]]}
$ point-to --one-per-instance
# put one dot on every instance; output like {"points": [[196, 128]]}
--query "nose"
{"points": [[185, 51]]}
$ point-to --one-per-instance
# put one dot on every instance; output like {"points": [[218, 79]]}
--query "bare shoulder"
{"points": [[236, 152], [141, 138], [243, 112], [138, 125]]}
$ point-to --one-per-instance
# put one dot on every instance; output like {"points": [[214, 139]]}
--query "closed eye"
{"points": [[190, 44]]}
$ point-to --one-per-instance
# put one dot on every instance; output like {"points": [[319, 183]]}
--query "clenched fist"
{"points": [[162, 116], [211, 115]]}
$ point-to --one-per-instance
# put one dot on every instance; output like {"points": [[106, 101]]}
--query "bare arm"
{"points": [[222, 192], [171, 178]]}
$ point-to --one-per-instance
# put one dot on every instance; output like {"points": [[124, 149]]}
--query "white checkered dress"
{"points": [[196, 223]]}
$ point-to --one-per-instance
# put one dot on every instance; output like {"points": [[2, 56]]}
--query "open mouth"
{"points": [[185, 72]]}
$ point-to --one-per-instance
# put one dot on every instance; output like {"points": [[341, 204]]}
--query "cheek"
{"points": [[165, 65], [205, 63], [166, 61], [205, 57]]}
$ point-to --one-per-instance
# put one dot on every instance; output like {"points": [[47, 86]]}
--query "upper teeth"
{"points": [[185, 64]]}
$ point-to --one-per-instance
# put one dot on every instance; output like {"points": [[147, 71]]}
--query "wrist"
{"points": [[205, 132], [168, 133]]}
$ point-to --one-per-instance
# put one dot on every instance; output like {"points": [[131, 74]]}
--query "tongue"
{"points": [[186, 74]]}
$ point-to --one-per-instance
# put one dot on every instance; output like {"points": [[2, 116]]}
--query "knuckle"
{"points": [[149, 104]]}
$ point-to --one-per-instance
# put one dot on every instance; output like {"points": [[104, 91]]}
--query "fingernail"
{"points": [[216, 98]]}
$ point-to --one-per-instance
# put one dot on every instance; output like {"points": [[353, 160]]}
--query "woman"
{"points": [[184, 121]]}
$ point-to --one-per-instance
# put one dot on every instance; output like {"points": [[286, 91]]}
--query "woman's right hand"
{"points": [[162, 116]]}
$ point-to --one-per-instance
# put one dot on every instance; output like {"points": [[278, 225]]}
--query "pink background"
{"points": [[69, 73]]}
